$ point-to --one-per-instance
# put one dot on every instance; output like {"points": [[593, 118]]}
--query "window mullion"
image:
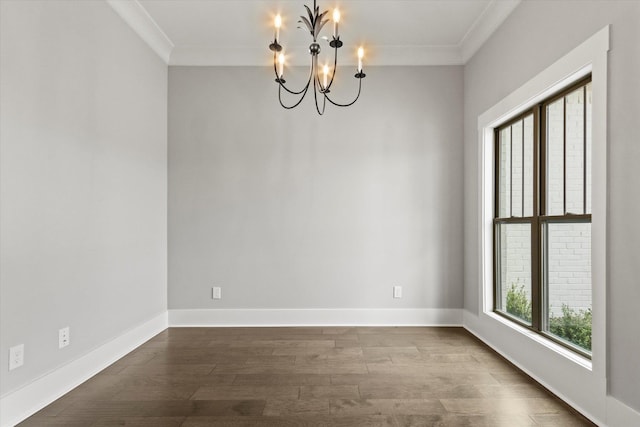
{"points": [[540, 194], [522, 167], [584, 149], [536, 287], [496, 183], [564, 155], [541, 182], [511, 171]]}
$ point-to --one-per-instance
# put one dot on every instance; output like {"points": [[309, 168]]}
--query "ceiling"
{"points": [[238, 32]]}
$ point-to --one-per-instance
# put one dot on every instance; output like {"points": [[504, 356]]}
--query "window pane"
{"points": [[588, 152], [575, 151], [528, 166], [514, 270], [505, 174], [555, 158], [567, 249], [516, 169]]}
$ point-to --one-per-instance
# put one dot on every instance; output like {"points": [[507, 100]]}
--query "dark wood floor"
{"points": [[310, 377]]}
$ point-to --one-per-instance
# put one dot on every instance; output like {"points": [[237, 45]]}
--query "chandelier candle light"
{"points": [[314, 24]]}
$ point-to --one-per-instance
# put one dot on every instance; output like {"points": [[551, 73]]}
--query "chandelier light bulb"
{"points": [[336, 19], [325, 70], [281, 63], [278, 24], [360, 56], [336, 15]]}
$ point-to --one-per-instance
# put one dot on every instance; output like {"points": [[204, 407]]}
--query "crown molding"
{"points": [[416, 55], [134, 14], [484, 26]]}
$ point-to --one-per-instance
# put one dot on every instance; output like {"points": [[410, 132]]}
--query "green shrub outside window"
{"points": [[573, 326]]}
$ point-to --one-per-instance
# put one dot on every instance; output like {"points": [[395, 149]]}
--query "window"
{"points": [[542, 218]]}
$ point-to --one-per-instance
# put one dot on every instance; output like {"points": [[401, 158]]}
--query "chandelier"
{"points": [[321, 88]]}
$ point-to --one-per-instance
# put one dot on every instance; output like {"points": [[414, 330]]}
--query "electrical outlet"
{"points": [[64, 337], [397, 291], [16, 356], [216, 292]]}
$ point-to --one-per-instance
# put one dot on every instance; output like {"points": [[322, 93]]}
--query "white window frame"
{"points": [[578, 380]]}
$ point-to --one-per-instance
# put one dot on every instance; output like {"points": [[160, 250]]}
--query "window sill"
{"points": [[540, 339]]}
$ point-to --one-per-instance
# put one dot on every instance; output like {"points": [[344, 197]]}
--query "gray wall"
{"points": [[532, 38], [286, 209], [83, 181]]}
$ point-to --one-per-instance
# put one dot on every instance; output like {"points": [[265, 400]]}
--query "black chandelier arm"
{"points": [[315, 95], [303, 90], [335, 66], [304, 93], [316, 81], [316, 85], [337, 104]]}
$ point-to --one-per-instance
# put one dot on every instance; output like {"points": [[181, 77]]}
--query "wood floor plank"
{"points": [[337, 353], [386, 406], [157, 392], [383, 379], [287, 407], [449, 420], [171, 369], [481, 406], [246, 338], [177, 408], [271, 360], [418, 391], [276, 343], [169, 379], [345, 357], [59, 421], [315, 376], [282, 379], [139, 422], [296, 369], [246, 392], [417, 368], [329, 391], [293, 421]]}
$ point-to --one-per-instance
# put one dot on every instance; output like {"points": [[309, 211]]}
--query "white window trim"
{"points": [[582, 383]]}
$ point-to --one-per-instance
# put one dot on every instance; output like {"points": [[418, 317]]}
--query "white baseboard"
{"points": [[24, 402], [317, 317], [621, 415]]}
